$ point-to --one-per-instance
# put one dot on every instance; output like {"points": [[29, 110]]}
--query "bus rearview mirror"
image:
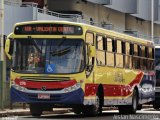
{"points": [[9, 48]]}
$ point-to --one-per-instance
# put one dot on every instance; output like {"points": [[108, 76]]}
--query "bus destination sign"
{"points": [[48, 29]]}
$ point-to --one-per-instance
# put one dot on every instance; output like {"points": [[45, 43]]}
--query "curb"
{"points": [[22, 112]]}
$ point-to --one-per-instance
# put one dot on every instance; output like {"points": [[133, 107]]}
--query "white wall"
{"points": [[43, 16], [14, 14], [125, 6]]}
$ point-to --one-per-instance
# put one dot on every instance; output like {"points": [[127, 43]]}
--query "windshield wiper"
{"points": [[60, 52]]}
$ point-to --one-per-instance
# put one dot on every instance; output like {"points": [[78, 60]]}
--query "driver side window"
{"points": [[89, 60]]}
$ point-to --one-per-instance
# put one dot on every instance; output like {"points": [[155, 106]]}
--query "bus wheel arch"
{"points": [[130, 109], [135, 99], [139, 106], [35, 110], [95, 109], [100, 94]]}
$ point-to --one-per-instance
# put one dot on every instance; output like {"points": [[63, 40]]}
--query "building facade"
{"points": [[129, 16], [122, 15]]}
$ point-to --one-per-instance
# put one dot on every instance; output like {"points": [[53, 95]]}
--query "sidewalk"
{"points": [[23, 112]]}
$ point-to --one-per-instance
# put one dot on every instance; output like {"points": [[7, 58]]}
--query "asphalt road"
{"points": [[144, 114]]}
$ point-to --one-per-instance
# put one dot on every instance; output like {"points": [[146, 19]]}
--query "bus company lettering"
{"points": [[119, 77]]}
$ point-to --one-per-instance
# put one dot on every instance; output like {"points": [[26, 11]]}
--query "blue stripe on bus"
{"points": [[75, 97]]}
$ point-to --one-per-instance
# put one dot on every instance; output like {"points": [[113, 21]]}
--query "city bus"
{"points": [[80, 66], [156, 103]]}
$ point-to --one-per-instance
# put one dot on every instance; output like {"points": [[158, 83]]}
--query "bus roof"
{"points": [[111, 33]]}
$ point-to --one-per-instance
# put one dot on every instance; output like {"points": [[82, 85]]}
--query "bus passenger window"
{"points": [[99, 41], [150, 53], [136, 59], [114, 45], [146, 52], [119, 55], [131, 49], [119, 46], [100, 58], [109, 44], [128, 57], [89, 38], [110, 59], [153, 53], [135, 50], [143, 51], [109, 54], [143, 61], [139, 51], [123, 48], [127, 51]]}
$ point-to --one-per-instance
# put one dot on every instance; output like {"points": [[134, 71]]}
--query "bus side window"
{"points": [[90, 38], [109, 44], [114, 45], [100, 42], [135, 57], [153, 55], [143, 61], [100, 50], [123, 47], [109, 54], [131, 50], [139, 66], [151, 59], [150, 52], [119, 55], [128, 57], [89, 60]]}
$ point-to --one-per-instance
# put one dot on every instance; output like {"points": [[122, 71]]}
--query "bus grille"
{"points": [[45, 78]]}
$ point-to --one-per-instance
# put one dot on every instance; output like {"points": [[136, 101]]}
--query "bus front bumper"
{"points": [[74, 97]]}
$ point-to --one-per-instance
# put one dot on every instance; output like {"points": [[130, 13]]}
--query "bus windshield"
{"points": [[56, 56]]}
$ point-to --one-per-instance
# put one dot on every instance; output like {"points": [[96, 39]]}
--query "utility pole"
{"points": [[152, 20], [1, 54]]}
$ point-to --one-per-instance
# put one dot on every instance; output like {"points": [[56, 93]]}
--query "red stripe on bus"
{"points": [[113, 90], [48, 85]]}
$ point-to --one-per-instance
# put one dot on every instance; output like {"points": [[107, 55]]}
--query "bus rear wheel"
{"points": [[130, 109], [35, 110], [156, 106]]}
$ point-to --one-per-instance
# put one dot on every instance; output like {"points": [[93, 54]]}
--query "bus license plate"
{"points": [[43, 96]]}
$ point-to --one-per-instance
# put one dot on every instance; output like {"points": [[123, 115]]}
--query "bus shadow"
{"points": [[74, 116]]}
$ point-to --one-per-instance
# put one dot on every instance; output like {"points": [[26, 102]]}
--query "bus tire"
{"points": [[130, 109], [156, 106], [96, 109], [77, 110], [35, 110], [139, 107]]}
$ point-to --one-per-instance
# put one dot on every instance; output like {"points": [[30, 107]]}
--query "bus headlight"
{"points": [[72, 88], [17, 87]]}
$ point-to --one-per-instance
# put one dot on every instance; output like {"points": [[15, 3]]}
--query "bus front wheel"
{"points": [[93, 110], [35, 110]]}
